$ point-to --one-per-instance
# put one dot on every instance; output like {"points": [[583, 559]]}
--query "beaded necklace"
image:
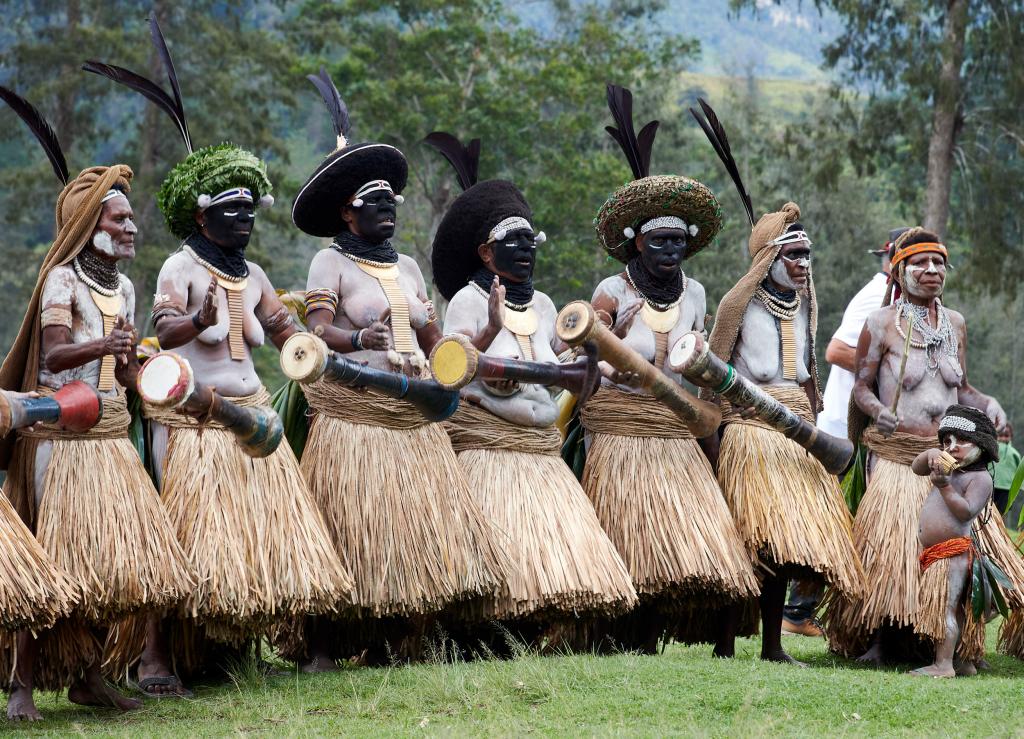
{"points": [[508, 303], [210, 268], [784, 310], [653, 304], [99, 274], [941, 338]]}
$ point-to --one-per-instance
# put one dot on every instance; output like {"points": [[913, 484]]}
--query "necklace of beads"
{"points": [[940, 338], [508, 304], [784, 310], [82, 269], [653, 304], [361, 260], [213, 270]]}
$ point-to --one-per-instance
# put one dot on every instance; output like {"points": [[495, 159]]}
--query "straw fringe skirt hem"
{"points": [[101, 522], [397, 506], [787, 508], [658, 500], [33, 593], [562, 560], [259, 546], [64, 653]]}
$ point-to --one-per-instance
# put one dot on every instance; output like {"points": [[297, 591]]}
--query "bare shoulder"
{"points": [[544, 305], [613, 287], [326, 259], [881, 317], [956, 318], [409, 265], [126, 287], [179, 264], [60, 281]]}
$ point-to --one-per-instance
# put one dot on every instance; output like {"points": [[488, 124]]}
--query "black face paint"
{"points": [[229, 225], [376, 218], [663, 250], [514, 256]]}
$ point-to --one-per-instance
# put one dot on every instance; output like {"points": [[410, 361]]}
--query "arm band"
{"points": [[322, 299]]}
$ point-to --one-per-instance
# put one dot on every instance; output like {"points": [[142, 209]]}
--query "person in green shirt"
{"points": [[1009, 460]]}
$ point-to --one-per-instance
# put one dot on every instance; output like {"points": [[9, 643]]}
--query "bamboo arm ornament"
{"points": [[692, 358], [305, 358], [577, 324], [166, 380], [455, 362]]}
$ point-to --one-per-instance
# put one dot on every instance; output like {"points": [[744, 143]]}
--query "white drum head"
{"points": [[166, 380], [684, 350]]}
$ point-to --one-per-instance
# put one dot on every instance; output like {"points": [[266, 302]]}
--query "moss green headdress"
{"points": [[204, 174]]}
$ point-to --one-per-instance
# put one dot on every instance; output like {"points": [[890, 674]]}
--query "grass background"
{"points": [[681, 692]]}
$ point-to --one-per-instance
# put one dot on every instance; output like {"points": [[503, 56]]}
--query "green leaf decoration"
{"points": [[290, 403], [855, 481]]}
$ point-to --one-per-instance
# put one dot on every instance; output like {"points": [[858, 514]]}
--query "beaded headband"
{"points": [[958, 423], [372, 185], [110, 195], [235, 193], [668, 222], [513, 223]]}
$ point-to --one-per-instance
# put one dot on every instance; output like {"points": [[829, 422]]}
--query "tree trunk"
{"points": [[945, 118]]}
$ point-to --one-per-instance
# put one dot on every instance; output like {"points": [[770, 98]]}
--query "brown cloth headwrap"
{"points": [[729, 318], [78, 212]]}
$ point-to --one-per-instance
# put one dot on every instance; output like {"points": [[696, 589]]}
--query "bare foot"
{"points": [[93, 691], [933, 671], [873, 656], [21, 707], [982, 665], [156, 678], [319, 663], [964, 668], [779, 655]]}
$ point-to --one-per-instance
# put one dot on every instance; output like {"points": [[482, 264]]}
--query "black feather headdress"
{"points": [[147, 88], [715, 132], [336, 107], [41, 129], [465, 160], [636, 148]]}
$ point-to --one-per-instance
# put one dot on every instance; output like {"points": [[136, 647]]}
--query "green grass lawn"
{"points": [[683, 691]]}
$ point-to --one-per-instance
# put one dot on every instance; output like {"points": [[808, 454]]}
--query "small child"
{"points": [[962, 489]]}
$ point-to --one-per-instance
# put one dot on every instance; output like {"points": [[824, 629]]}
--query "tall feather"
{"points": [[637, 150], [165, 58], [335, 105], [41, 129], [150, 90], [715, 132], [465, 160]]}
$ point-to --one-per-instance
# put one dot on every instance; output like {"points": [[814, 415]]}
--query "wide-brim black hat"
{"points": [[969, 423], [466, 225], [317, 207]]}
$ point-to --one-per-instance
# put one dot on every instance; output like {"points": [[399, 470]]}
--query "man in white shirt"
{"points": [[841, 353]]}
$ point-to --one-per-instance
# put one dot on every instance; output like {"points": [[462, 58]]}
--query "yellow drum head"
{"points": [[453, 362], [304, 357]]}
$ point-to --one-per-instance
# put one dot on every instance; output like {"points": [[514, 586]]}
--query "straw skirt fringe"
{"points": [[658, 500], [787, 508], [885, 534], [33, 592], [258, 544], [1011, 635], [63, 654], [101, 522], [398, 507], [562, 560]]}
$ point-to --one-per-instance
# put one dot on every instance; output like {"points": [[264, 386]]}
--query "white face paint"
{"points": [[913, 273], [104, 244], [780, 275], [965, 452]]}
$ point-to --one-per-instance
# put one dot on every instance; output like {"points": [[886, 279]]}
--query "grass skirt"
{"points": [[258, 544], [788, 509], [398, 507], [33, 593], [562, 560]]}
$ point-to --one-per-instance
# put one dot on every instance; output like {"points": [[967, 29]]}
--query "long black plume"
{"points": [[636, 149], [465, 160], [335, 105], [715, 132], [165, 57], [41, 129], [150, 90]]}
